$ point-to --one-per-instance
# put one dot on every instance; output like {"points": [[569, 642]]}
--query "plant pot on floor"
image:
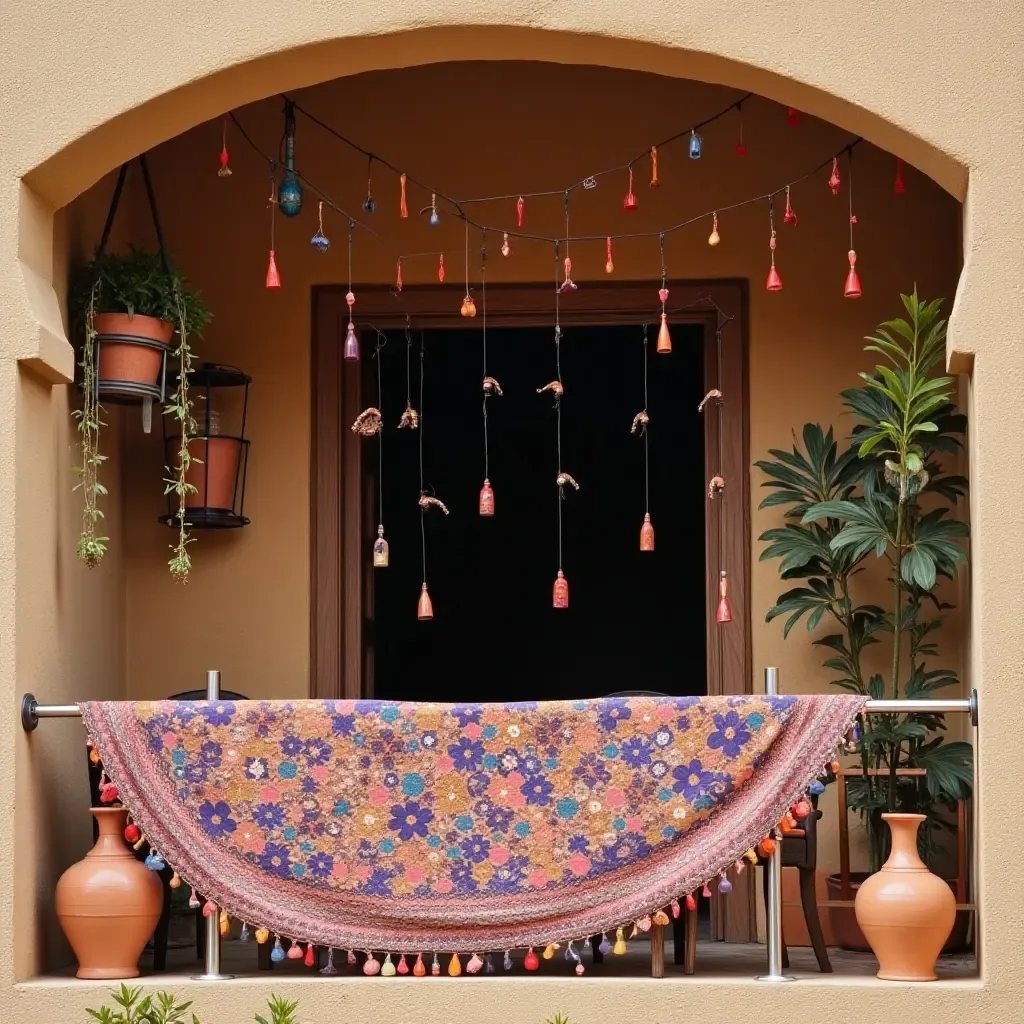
{"points": [[109, 903], [132, 353]]}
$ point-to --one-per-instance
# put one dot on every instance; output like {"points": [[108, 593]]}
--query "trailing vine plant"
{"points": [[91, 546], [180, 407]]}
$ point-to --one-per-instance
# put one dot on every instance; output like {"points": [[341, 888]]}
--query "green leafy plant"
{"points": [[282, 1011], [881, 497], [130, 1008]]}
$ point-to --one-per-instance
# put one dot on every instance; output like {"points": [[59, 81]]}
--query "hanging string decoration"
{"points": [[351, 347], [435, 218], [640, 423], [468, 305], [490, 388], [696, 146], [403, 206], [381, 552], [368, 423], [609, 264], [741, 148], [398, 277], [369, 205], [410, 419], [664, 338], [852, 288], [714, 238], [506, 249], [520, 205], [289, 194], [273, 277], [320, 241], [560, 591], [833, 181], [629, 203], [224, 171], [568, 285], [440, 267], [654, 183], [789, 217], [716, 486], [425, 607], [774, 282]]}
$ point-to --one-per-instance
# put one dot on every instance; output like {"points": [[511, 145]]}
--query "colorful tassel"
{"points": [[454, 966], [273, 277], [530, 961], [132, 833], [629, 203], [474, 964], [398, 278], [766, 846], [387, 969], [224, 171], [645, 923], [549, 951], [609, 264], [435, 967], [277, 953], [224, 923], [243, 935], [833, 181], [403, 967], [506, 963], [604, 946], [440, 269], [620, 942], [488, 964], [418, 968], [751, 856], [724, 612], [371, 966], [519, 212], [351, 958], [262, 936], [156, 863], [706, 892], [691, 902], [654, 167], [660, 917], [675, 908], [403, 209], [209, 908], [724, 885], [330, 968], [310, 958], [175, 882], [816, 788], [294, 951]]}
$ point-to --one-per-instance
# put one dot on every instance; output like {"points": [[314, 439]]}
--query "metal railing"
{"points": [[32, 711]]}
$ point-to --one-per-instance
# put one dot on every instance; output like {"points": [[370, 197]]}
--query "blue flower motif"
{"points": [[531, 764], [611, 751], [256, 768], [410, 820], [287, 769], [178, 757], [290, 833], [663, 736], [291, 746], [490, 731], [268, 815], [390, 713], [298, 870], [343, 725], [185, 711], [567, 807], [466, 754], [477, 783], [464, 822], [467, 713], [433, 842], [490, 762], [317, 751], [591, 770], [476, 848], [310, 786], [619, 824], [579, 844], [210, 754], [537, 790], [755, 719], [731, 734], [368, 707], [693, 780], [275, 860], [462, 877], [613, 711], [684, 703], [379, 883], [216, 819], [219, 712], [507, 877], [522, 829], [340, 808], [386, 846], [195, 771], [636, 751], [499, 819], [413, 784]]}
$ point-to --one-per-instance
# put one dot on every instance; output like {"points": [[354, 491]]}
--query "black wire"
{"points": [[381, 342], [647, 461], [423, 511], [849, 190], [408, 363], [558, 399], [483, 302]]}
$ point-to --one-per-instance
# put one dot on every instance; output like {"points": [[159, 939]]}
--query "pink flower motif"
{"points": [[320, 773], [634, 823], [269, 794], [340, 869], [344, 707], [473, 731], [537, 878], [379, 796], [445, 763], [170, 740], [615, 797], [665, 712], [578, 864], [498, 856], [443, 885], [252, 840], [415, 874], [362, 873]]}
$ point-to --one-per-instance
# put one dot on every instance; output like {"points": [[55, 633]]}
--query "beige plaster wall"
{"points": [[940, 86]]}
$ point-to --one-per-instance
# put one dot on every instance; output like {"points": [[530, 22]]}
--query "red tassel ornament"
{"points": [[774, 282], [273, 277], [560, 594], [766, 847], [310, 958], [654, 169], [425, 607], [440, 268], [403, 208], [833, 181], [519, 212], [398, 279], [403, 967], [899, 185], [609, 265], [852, 289], [647, 534], [487, 499], [629, 203], [691, 902], [131, 833], [789, 217], [419, 969], [224, 171], [801, 808], [531, 962], [724, 612], [295, 952]]}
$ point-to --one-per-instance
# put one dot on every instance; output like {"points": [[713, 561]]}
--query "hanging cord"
{"points": [[483, 304], [378, 348], [423, 511], [351, 229], [558, 403], [647, 462], [849, 190]]}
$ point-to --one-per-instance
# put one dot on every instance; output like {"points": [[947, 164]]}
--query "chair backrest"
{"points": [[638, 693]]}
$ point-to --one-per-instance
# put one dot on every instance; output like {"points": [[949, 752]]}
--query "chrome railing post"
{"points": [[774, 869], [212, 970]]}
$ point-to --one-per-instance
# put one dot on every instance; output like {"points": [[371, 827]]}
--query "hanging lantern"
{"points": [[714, 238], [696, 145], [664, 338], [486, 499], [273, 277], [289, 193], [609, 265], [519, 212], [724, 612], [629, 203], [351, 348], [380, 550], [560, 596], [403, 207], [654, 183], [647, 534], [833, 181], [425, 607], [468, 306], [898, 186], [852, 289], [789, 217], [792, 118]]}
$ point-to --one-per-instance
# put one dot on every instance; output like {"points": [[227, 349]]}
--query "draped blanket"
{"points": [[408, 827]]}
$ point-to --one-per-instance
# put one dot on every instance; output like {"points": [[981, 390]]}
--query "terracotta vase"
{"points": [[109, 903], [214, 476], [127, 362], [905, 912]]}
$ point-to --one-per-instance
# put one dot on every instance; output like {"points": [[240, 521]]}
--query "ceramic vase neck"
{"points": [[111, 822], [903, 855]]}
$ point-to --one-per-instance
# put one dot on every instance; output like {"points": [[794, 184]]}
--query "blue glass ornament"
{"points": [[696, 145], [289, 193], [816, 788], [507, 962], [320, 242], [277, 953], [605, 947], [155, 862], [369, 205], [243, 935], [434, 219]]}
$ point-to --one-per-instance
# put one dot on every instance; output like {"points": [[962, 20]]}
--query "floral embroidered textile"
{"points": [[407, 827]]}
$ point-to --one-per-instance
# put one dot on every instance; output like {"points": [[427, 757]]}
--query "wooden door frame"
{"points": [[341, 521]]}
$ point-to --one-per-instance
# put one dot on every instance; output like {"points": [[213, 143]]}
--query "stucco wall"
{"points": [[940, 86]]}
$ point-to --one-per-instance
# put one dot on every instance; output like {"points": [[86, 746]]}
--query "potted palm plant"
{"points": [[881, 497]]}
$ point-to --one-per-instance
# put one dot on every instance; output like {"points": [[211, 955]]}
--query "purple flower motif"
{"points": [[693, 780], [537, 790], [291, 746], [531, 764], [476, 784], [508, 876], [684, 703], [210, 753], [185, 711], [216, 819], [521, 705], [579, 844], [343, 725], [462, 877], [195, 771], [320, 865], [256, 768], [391, 779], [499, 819], [275, 860], [367, 850], [466, 754], [429, 740], [476, 848], [613, 711], [591, 770], [410, 820], [510, 761], [268, 815], [731, 734], [317, 751], [368, 707], [379, 882], [309, 786], [467, 713], [636, 751], [683, 723], [218, 712]]}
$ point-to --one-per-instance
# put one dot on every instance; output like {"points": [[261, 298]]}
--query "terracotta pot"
{"points": [[905, 912], [128, 362], [213, 478], [109, 903]]}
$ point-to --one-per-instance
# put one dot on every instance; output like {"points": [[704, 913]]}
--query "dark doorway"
{"points": [[636, 620]]}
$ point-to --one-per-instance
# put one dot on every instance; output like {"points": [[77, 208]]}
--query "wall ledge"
{"points": [[46, 350]]}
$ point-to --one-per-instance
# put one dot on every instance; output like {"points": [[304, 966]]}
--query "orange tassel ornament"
{"points": [[724, 612]]}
